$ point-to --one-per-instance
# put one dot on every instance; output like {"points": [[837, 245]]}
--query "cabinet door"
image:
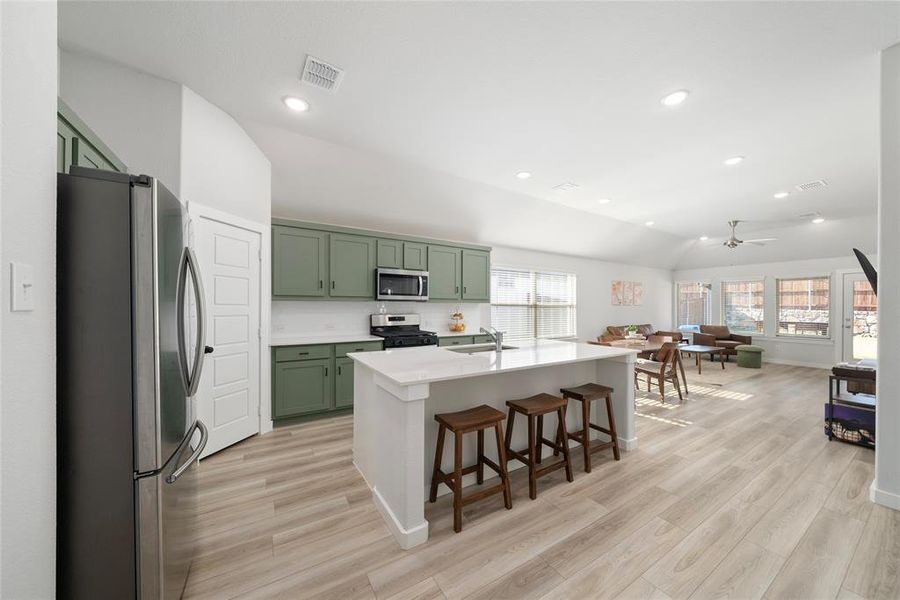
{"points": [[87, 156], [343, 383], [299, 267], [456, 340], [415, 256], [302, 386], [352, 266], [476, 275], [444, 273], [390, 254], [65, 146]]}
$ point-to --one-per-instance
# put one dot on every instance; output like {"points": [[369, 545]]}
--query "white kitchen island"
{"points": [[398, 392]]}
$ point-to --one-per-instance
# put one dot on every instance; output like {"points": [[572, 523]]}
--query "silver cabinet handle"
{"points": [[204, 437]]}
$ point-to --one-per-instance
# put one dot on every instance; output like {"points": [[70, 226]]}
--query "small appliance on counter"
{"points": [[401, 331]]}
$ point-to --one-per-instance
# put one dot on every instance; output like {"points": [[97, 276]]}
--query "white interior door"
{"points": [[860, 319], [228, 397]]}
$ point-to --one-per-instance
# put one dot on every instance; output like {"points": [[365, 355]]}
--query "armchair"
{"points": [[721, 337]]}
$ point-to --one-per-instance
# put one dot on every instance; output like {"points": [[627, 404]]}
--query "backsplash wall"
{"points": [[336, 317]]}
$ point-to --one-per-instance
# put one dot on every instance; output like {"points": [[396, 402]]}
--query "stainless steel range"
{"points": [[401, 331]]}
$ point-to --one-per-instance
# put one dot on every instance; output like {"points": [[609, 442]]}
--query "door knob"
{"points": [[208, 349]]}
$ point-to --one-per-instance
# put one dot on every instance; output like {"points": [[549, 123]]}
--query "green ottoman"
{"points": [[749, 357]]}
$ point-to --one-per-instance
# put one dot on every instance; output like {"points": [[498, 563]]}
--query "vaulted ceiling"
{"points": [[569, 92]]}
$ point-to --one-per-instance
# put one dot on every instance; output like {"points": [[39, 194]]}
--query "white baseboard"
{"points": [[407, 538], [884, 498]]}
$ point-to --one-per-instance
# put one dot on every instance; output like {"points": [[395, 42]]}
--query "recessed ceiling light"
{"points": [[703, 238], [602, 200], [649, 223], [818, 220], [733, 160], [523, 174], [675, 98], [781, 195], [297, 104]]}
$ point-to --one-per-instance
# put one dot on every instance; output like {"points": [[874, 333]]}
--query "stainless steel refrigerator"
{"points": [[130, 350]]}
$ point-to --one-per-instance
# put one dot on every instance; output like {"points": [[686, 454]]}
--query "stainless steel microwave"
{"points": [[401, 284]]}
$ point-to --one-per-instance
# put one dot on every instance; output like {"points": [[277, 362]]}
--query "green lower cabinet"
{"points": [[343, 383], [481, 339], [302, 387], [455, 340]]}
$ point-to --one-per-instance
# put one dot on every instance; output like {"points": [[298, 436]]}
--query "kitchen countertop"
{"points": [[408, 366], [336, 338]]}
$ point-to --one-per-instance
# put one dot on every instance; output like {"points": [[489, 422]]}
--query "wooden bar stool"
{"points": [[466, 421], [534, 408], [586, 394]]}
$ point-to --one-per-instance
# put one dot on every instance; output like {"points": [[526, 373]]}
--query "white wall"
{"points": [[594, 296], [886, 486], [137, 115], [28, 70], [221, 167], [804, 352]]}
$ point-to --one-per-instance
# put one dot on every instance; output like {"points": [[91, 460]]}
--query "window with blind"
{"points": [[803, 306], [532, 304], [742, 306], [692, 303]]}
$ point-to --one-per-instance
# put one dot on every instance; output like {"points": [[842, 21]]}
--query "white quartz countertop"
{"points": [[337, 338], [408, 366]]}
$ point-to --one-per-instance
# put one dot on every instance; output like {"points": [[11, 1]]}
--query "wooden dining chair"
{"points": [[663, 369]]}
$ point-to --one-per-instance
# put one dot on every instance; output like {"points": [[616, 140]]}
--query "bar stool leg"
{"points": [[457, 483], [438, 454], [504, 474], [586, 434], [540, 434], [479, 473], [532, 480], [611, 419], [561, 413]]}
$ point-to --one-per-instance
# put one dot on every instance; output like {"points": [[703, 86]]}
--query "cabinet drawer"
{"points": [[302, 352], [456, 340], [341, 350], [481, 339]]}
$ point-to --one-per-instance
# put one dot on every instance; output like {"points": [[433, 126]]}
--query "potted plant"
{"points": [[631, 331]]}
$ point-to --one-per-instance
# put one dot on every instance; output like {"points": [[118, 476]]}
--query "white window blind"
{"points": [[742, 306], [530, 304], [693, 303]]}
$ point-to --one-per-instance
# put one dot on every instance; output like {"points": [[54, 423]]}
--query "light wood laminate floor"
{"points": [[735, 493]]}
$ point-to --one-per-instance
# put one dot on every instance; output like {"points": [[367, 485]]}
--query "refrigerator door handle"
{"points": [[204, 437], [191, 374]]}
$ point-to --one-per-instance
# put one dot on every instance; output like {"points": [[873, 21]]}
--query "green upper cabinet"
{"points": [[444, 273], [299, 262], [390, 254], [476, 275], [415, 256], [78, 145], [352, 266]]}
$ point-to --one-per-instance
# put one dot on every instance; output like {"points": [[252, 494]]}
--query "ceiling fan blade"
{"points": [[758, 240], [754, 243]]}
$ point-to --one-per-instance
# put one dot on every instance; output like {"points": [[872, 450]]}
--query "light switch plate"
{"points": [[22, 287]]}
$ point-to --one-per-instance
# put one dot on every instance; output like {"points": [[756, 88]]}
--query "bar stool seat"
{"points": [[534, 408], [467, 421], [587, 393]]}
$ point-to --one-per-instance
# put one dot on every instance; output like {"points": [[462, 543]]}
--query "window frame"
{"points": [[709, 303], [762, 323], [795, 336], [535, 306]]}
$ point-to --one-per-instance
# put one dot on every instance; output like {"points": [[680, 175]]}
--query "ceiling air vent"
{"points": [[568, 186], [812, 185], [322, 75]]}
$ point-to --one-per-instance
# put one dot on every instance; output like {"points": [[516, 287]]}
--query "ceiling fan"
{"points": [[734, 242]]}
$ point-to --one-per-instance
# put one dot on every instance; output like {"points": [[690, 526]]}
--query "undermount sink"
{"points": [[473, 349]]}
